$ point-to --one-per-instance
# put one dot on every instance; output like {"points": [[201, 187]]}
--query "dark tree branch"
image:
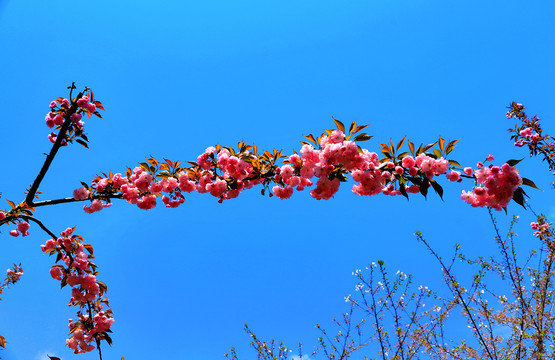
{"points": [[7, 219], [39, 223], [70, 200]]}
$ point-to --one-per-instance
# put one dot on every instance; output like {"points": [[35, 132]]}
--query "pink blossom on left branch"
{"points": [[94, 318]]}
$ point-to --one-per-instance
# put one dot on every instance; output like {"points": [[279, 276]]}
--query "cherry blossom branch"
{"points": [[529, 133], [57, 144]]}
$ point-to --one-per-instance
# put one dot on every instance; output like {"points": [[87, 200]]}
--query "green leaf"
{"points": [[424, 187], [437, 153], [419, 150], [427, 147], [514, 162], [363, 137], [451, 146], [529, 182], [454, 163], [518, 197], [360, 127], [79, 141], [403, 191], [438, 189]]}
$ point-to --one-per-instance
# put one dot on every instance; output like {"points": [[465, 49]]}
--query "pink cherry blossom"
{"points": [[56, 273], [81, 194], [454, 176]]}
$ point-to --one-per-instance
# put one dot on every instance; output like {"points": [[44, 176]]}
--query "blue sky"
{"points": [[179, 76]]}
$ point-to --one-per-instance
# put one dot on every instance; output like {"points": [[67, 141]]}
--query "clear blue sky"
{"points": [[179, 76]]}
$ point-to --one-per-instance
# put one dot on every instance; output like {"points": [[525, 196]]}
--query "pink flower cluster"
{"points": [[55, 117], [540, 227], [527, 134], [85, 104], [79, 273], [499, 185], [84, 331], [224, 174], [62, 109], [95, 206], [56, 114], [22, 227], [52, 138]]}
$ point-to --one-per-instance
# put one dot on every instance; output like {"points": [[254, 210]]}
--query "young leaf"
{"points": [[400, 143], [451, 146], [353, 126], [339, 125], [441, 143], [427, 147], [360, 127], [89, 248], [411, 147], [419, 150]]}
